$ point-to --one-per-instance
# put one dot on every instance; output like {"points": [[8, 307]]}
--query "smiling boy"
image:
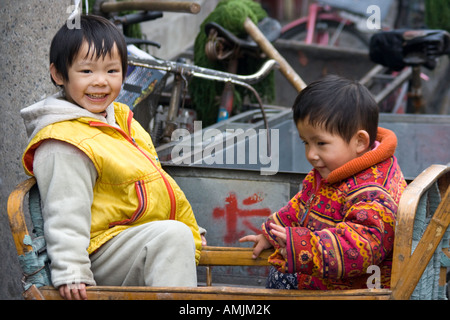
{"points": [[343, 219], [112, 215], [94, 83]]}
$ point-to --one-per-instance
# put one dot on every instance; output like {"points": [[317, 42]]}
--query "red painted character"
{"points": [[231, 212]]}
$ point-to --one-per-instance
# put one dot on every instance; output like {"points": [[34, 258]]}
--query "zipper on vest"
{"points": [[130, 139], [140, 191]]}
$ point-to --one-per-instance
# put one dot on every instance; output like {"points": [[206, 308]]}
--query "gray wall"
{"points": [[26, 29]]}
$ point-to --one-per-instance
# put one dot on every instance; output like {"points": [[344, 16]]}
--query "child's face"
{"points": [[93, 83], [326, 151]]}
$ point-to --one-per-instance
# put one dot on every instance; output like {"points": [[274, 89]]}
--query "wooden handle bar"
{"points": [[269, 49], [178, 6]]}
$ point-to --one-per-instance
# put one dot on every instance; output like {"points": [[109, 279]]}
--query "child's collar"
{"points": [[385, 148]]}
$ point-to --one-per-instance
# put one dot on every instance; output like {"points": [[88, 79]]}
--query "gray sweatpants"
{"points": [[159, 253]]}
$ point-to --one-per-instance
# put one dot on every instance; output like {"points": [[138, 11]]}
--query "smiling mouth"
{"points": [[97, 96]]}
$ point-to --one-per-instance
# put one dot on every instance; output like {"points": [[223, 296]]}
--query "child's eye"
{"points": [[113, 71], [86, 71], [321, 143]]}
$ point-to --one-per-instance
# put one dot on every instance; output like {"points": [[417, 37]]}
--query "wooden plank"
{"points": [[178, 6], [220, 293], [265, 45]]}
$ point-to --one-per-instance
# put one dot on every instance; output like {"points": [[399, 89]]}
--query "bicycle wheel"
{"points": [[342, 35]]}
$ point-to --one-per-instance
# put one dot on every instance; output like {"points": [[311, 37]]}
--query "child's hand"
{"points": [[280, 232], [261, 243], [204, 242], [75, 291]]}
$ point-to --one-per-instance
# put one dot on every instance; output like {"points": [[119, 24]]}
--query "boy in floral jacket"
{"points": [[343, 219]]}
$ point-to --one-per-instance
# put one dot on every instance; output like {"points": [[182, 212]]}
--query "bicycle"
{"points": [[340, 23], [337, 23], [405, 52]]}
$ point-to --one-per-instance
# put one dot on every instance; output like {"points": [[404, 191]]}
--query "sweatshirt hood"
{"points": [[56, 109]]}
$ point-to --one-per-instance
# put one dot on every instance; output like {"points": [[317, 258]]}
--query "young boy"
{"points": [[343, 219], [112, 216]]}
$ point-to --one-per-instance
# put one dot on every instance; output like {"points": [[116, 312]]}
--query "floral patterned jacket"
{"points": [[337, 228]]}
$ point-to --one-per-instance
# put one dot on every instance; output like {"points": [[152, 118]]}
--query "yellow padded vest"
{"points": [[132, 188]]}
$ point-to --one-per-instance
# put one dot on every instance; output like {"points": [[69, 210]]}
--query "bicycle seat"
{"points": [[270, 28], [399, 48]]}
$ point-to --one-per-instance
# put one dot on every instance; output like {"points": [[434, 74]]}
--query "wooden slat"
{"points": [[33, 293], [232, 256], [424, 251], [220, 293], [405, 217], [16, 215]]}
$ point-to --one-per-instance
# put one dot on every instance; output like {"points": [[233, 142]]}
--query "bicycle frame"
{"points": [[315, 13]]}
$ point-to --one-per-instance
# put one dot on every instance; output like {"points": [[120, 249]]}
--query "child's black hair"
{"points": [[98, 32], [340, 105]]}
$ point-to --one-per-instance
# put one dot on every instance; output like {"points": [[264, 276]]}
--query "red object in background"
{"points": [[232, 213]]}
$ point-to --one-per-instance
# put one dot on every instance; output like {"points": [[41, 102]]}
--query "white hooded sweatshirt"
{"points": [[54, 163]]}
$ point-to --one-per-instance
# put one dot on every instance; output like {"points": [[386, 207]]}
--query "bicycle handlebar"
{"points": [[211, 74], [205, 73], [178, 6]]}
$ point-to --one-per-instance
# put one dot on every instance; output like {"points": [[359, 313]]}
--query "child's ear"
{"points": [[56, 75], [362, 141]]}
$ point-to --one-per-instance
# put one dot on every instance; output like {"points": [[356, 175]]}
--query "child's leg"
{"points": [[160, 253]]}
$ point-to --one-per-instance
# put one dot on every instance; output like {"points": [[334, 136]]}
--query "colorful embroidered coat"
{"points": [[337, 228]]}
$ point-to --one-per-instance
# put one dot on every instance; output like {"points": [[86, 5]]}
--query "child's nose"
{"points": [[100, 80], [311, 154]]}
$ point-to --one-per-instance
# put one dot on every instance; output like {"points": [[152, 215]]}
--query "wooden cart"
{"points": [[421, 251]]}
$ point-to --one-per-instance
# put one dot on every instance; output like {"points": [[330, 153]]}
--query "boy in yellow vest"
{"points": [[112, 215]]}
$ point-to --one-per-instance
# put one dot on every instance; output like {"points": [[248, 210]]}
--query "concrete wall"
{"points": [[27, 27]]}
